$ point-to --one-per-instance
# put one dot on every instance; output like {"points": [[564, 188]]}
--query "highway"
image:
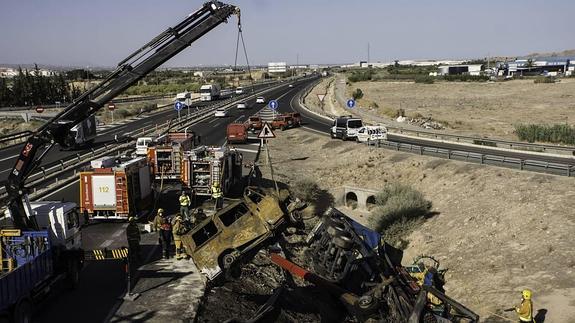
{"points": [[102, 283]]}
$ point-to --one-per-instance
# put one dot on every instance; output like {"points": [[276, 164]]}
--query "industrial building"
{"points": [[278, 67], [474, 69], [551, 66]]}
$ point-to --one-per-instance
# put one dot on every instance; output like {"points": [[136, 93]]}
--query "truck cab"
{"points": [[142, 144], [345, 127]]}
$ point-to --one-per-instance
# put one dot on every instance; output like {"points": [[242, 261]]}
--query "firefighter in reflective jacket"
{"points": [[185, 205], [178, 229], [133, 236], [525, 310], [217, 195], [164, 227]]}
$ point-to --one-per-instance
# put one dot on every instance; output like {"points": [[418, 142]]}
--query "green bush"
{"points": [[306, 190], [466, 78], [424, 79], [558, 133], [357, 94], [121, 113], [359, 76], [543, 79], [400, 208]]}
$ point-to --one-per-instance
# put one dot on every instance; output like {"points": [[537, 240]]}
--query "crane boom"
{"points": [[156, 52]]}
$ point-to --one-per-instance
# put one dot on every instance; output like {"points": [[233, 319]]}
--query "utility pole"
{"points": [[367, 53]]}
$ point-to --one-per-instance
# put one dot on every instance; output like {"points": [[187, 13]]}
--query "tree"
{"points": [[357, 94]]}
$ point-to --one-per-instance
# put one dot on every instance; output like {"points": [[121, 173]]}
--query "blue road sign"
{"points": [[350, 103], [178, 105], [273, 104]]}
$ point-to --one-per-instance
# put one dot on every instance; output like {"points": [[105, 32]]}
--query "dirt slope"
{"points": [[498, 230]]}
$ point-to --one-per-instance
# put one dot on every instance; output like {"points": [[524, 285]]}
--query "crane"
{"points": [[134, 67]]}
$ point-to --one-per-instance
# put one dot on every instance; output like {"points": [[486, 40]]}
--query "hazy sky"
{"points": [[103, 32]]}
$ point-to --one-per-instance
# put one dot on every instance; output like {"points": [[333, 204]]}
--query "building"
{"points": [[474, 69], [539, 66], [278, 67]]}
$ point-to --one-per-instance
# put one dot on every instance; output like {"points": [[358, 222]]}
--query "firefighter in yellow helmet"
{"points": [[217, 195], [525, 309], [133, 237]]}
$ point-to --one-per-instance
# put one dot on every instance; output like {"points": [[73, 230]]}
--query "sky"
{"points": [[103, 32]]}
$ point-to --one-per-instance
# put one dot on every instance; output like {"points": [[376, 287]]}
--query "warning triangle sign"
{"points": [[266, 132], [320, 97]]}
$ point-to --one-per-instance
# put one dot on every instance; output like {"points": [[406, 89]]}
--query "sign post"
{"points": [[39, 109], [273, 105], [321, 97], [188, 104], [112, 107], [350, 103], [178, 107]]}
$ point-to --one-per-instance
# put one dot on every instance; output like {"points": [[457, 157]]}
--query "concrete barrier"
{"points": [[362, 198]]}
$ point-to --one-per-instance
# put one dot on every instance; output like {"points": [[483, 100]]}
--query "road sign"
{"points": [[39, 109], [111, 106], [188, 102], [273, 104], [350, 103], [178, 105], [266, 132], [320, 97]]}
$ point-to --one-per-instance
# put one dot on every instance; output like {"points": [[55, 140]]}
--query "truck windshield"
{"points": [[206, 91], [354, 124]]}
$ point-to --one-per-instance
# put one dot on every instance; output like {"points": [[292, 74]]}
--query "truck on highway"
{"points": [[35, 263], [117, 192], [237, 133], [282, 122], [166, 155], [82, 134], [181, 97], [206, 165], [210, 92]]}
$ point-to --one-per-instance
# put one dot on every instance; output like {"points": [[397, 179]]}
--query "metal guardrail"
{"points": [[484, 159], [14, 138]]}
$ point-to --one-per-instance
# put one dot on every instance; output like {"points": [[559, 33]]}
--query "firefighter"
{"points": [[178, 229], [133, 236], [217, 196], [525, 309], [185, 205], [164, 227]]}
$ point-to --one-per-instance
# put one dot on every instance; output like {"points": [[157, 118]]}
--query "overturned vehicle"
{"points": [[365, 274], [221, 242]]}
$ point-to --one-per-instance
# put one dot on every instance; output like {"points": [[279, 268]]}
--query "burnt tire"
{"points": [[228, 260], [343, 242], [23, 312]]}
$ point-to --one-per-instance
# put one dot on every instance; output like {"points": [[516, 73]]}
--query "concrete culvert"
{"points": [[370, 202], [351, 200]]}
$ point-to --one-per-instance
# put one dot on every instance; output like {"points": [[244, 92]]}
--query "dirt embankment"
{"points": [[474, 108], [498, 230]]}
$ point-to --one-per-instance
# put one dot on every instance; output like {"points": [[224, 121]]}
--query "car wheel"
{"points": [[333, 136], [343, 242], [344, 137]]}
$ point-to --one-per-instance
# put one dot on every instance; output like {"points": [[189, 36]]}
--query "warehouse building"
{"points": [[474, 69]]}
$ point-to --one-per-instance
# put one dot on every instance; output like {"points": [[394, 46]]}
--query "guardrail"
{"points": [[14, 138], [486, 159]]}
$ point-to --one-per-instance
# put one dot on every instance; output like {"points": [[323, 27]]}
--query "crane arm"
{"points": [[156, 52]]}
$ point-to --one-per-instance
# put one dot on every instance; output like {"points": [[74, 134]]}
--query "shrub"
{"points": [[558, 133], [359, 76], [357, 94], [543, 79], [466, 78], [121, 113], [424, 79], [306, 190], [399, 209]]}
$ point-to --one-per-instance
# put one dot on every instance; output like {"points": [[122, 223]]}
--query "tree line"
{"points": [[31, 88]]}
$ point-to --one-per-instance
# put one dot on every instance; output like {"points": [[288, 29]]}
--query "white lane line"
{"points": [[215, 119], [106, 243], [246, 150], [58, 190], [216, 125], [3, 159], [243, 115], [6, 170]]}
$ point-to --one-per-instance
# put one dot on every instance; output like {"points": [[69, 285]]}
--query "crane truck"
{"points": [[45, 236]]}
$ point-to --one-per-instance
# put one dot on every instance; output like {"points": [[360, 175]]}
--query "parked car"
{"points": [[291, 85], [296, 116], [260, 99], [345, 127], [371, 133], [221, 112], [237, 133], [242, 105], [255, 123], [282, 122]]}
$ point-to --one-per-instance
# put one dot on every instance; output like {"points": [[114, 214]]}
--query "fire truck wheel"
{"points": [[23, 311]]}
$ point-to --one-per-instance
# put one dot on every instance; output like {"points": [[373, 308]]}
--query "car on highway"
{"points": [[239, 90], [260, 99], [242, 105], [291, 85], [255, 123], [345, 127], [371, 133], [221, 113]]}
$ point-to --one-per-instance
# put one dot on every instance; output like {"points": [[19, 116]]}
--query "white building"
{"points": [[277, 67], [474, 69]]}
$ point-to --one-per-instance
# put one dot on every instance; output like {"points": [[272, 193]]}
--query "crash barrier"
{"points": [[358, 198], [14, 138], [484, 159]]}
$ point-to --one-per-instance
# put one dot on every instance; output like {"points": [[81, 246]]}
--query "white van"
{"points": [[371, 133], [345, 127], [142, 145]]}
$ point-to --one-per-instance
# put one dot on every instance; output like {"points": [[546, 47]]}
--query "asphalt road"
{"points": [[103, 282]]}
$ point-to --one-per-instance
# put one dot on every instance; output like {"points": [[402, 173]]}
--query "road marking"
{"points": [[317, 131], [6, 170], [246, 150], [106, 243], [215, 119], [243, 115], [1, 160]]}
